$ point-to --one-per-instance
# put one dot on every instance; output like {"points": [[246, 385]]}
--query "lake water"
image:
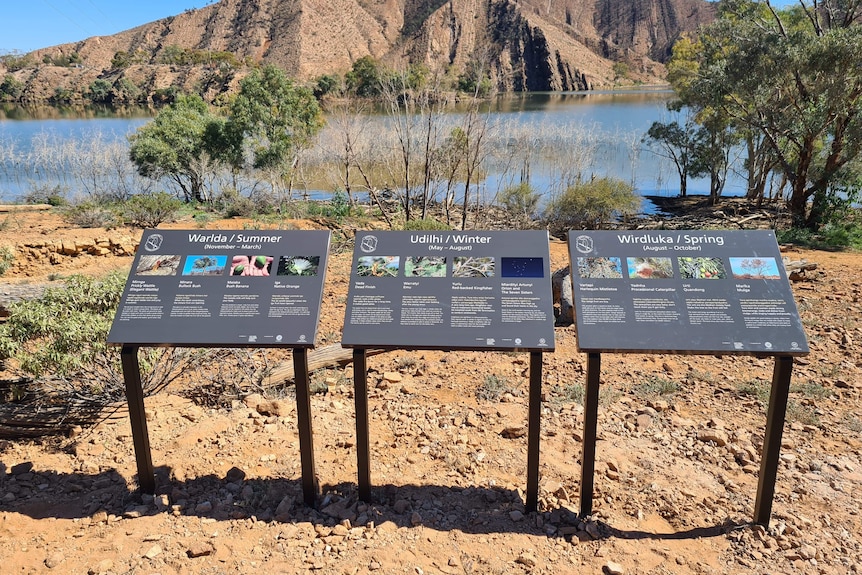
{"points": [[585, 133]]}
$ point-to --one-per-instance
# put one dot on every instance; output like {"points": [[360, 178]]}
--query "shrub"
{"points": [[520, 202], [428, 224], [63, 334], [149, 210], [46, 194], [589, 205], [7, 257], [91, 214]]}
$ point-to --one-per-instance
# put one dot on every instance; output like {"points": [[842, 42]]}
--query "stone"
{"points": [[526, 559], [716, 435], [153, 552], [200, 549], [54, 559], [612, 568]]}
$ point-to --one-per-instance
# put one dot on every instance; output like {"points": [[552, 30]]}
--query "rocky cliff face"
{"points": [[527, 44]]}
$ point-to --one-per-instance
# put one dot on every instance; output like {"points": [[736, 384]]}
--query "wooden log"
{"points": [[328, 356], [24, 207]]}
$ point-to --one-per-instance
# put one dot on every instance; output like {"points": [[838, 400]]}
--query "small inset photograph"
{"points": [[466, 267], [205, 265], [251, 265], [298, 266], [378, 266], [754, 268], [425, 267], [701, 269], [600, 268], [522, 267], [158, 265], [650, 268]]}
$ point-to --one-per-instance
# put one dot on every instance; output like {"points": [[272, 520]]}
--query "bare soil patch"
{"points": [[677, 459]]}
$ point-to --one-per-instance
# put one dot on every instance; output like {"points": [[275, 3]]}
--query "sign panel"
{"points": [[683, 291], [450, 290], [224, 288]]}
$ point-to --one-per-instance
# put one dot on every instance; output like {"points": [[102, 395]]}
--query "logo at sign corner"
{"points": [[369, 244], [154, 242], [584, 244]]}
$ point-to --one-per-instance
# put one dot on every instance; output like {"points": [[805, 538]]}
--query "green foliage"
{"points": [[46, 194], [11, 88], [621, 71], [64, 60], [90, 214], [7, 258], [656, 387], [274, 117], [100, 91], [791, 78], [494, 388], [179, 56], [180, 143], [364, 78], [64, 331], [16, 61], [149, 210], [427, 224], [588, 205], [62, 96], [520, 201], [327, 84]]}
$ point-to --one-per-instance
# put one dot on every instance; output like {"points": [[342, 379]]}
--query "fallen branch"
{"points": [[325, 357]]}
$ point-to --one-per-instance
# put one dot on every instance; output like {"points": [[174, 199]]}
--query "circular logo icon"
{"points": [[768, 345], [154, 242], [584, 244], [368, 244], [517, 341]]}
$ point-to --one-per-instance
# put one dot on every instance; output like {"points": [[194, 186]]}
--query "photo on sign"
{"points": [[650, 268], [702, 269], [601, 268], [305, 266], [425, 267], [754, 268], [522, 267], [205, 265], [466, 267], [161, 265], [251, 266], [378, 266]]}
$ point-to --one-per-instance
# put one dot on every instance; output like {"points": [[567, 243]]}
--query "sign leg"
{"points": [[363, 443], [772, 440], [534, 427], [591, 416], [138, 418], [310, 489]]}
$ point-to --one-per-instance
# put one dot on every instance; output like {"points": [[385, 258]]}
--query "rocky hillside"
{"points": [[529, 44]]}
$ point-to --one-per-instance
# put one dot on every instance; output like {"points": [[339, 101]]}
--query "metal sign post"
{"points": [[476, 291], [690, 292], [193, 288]]}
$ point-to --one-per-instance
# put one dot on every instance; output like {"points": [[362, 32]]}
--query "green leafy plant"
{"points": [[90, 214], [7, 258], [60, 340], [149, 210], [656, 386], [494, 388], [589, 205]]}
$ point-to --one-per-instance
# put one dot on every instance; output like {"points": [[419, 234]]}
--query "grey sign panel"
{"points": [[450, 290], [256, 288], [683, 291]]}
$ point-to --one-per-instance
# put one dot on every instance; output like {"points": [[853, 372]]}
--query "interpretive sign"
{"points": [[223, 288], [684, 292], [450, 290]]}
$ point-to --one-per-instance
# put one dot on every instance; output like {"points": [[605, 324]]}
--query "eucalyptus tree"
{"points": [[179, 144], [790, 75], [270, 121]]}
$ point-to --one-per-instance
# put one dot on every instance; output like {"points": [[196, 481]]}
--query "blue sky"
{"points": [[30, 24]]}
